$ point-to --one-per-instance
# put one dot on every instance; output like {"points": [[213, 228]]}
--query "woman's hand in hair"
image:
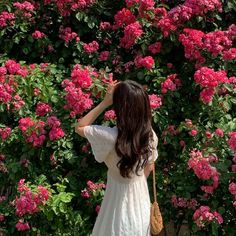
{"points": [[108, 99]]}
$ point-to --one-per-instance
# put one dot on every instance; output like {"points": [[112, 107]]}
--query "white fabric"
{"points": [[125, 209]]}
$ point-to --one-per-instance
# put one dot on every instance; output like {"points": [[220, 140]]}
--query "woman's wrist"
{"points": [[104, 105]]}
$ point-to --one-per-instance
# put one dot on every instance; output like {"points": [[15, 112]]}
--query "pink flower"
{"points": [[27, 6], [110, 115], [81, 77], [38, 35], [85, 193], [123, 17], [3, 70], [91, 185], [43, 109], [5, 133], [6, 18], [43, 193], [12, 66], [230, 54], [131, 33], [76, 99], [2, 157], [232, 140], [97, 209], [26, 204], [20, 226], [206, 95], [170, 83], [56, 133], [36, 91], [130, 3], [53, 121], [155, 47], [208, 135], [203, 215], [234, 158], [67, 34], [146, 62], [232, 188], [219, 132], [91, 47], [203, 170], [103, 56], [193, 132], [105, 25], [155, 101], [233, 168], [207, 189], [2, 217], [182, 143]]}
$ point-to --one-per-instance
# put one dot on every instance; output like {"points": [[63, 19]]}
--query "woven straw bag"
{"points": [[156, 221]]}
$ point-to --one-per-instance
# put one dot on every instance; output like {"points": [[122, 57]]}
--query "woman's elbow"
{"points": [[79, 130]]}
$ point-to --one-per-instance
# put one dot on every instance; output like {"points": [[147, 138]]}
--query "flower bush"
{"points": [[56, 59]]}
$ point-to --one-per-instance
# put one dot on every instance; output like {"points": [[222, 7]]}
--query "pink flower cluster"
{"points": [[21, 226], [171, 83], [123, 17], [219, 132], [33, 131], [81, 77], [183, 202], [232, 140], [77, 100], [155, 47], [130, 3], [38, 34], [91, 47], [192, 42], [7, 18], [155, 101], [29, 201], [104, 55], [5, 133], [216, 43], [184, 12], [229, 54], [56, 131], [110, 115], [232, 190], [67, 34], [42, 109], [65, 7], [24, 6], [209, 80], [131, 33], [203, 215], [91, 187], [203, 169], [146, 62]]}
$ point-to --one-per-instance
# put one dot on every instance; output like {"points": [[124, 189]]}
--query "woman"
{"points": [[128, 151]]}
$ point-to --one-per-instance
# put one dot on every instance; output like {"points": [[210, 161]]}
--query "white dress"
{"points": [[125, 209]]}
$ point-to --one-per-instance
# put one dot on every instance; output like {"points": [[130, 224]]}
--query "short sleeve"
{"points": [[102, 140], [154, 152]]}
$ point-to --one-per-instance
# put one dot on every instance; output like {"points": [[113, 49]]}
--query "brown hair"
{"points": [[132, 108]]}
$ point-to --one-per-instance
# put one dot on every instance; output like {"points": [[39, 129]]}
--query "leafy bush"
{"points": [[56, 59]]}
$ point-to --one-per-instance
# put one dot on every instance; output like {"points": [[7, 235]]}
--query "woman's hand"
{"points": [[108, 99]]}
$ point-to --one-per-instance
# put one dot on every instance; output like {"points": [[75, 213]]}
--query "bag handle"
{"points": [[154, 176]]}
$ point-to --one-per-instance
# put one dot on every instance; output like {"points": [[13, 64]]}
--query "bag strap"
{"points": [[154, 176]]}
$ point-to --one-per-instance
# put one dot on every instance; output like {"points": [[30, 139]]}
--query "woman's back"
{"points": [[125, 208]]}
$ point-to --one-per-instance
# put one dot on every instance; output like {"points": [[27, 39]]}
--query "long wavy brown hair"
{"points": [[132, 108]]}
